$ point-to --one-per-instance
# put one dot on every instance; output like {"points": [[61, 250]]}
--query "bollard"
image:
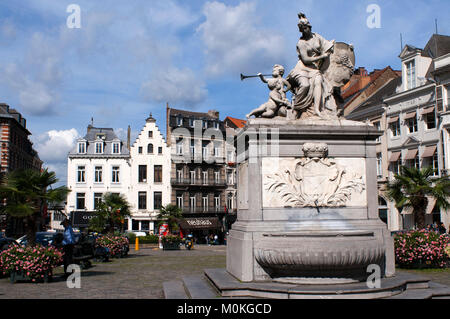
{"points": [[136, 245]]}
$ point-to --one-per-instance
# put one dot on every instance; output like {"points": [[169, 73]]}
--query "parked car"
{"points": [[43, 238], [137, 233]]}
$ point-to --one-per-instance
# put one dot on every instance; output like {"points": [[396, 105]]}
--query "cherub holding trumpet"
{"points": [[277, 104]]}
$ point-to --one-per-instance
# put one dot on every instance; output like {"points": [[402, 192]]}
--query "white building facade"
{"points": [[99, 164], [150, 187]]}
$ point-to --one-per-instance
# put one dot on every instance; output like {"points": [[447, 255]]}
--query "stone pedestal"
{"points": [[308, 204]]}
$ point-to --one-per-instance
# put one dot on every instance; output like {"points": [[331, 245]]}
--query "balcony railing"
{"points": [[197, 182], [209, 210]]}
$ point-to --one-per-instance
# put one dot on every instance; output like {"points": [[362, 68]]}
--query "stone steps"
{"points": [[218, 283]]}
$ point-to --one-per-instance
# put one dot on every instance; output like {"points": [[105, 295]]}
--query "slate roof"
{"points": [[437, 46], [91, 138], [190, 114]]}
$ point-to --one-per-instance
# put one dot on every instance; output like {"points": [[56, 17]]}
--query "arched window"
{"points": [[150, 148]]}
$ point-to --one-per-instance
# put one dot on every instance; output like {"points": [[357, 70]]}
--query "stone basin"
{"points": [[325, 257]]}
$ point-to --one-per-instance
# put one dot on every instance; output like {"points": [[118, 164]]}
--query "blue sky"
{"points": [[131, 57]]}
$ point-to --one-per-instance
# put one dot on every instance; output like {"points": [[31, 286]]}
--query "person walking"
{"points": [[68, 243]]}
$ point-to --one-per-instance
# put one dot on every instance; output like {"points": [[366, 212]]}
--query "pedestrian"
{"points": [[2, 233], [68, 244]]}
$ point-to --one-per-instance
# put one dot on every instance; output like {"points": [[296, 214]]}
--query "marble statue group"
{"points": [[323, 67]]}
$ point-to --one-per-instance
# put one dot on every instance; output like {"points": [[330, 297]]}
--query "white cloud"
{"points": [[53, 146], [175, 85], [234, 41]]}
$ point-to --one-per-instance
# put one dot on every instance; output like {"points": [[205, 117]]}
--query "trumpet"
{"points": [[243, 77]]}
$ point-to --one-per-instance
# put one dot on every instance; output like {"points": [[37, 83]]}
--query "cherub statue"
{"points": [[278, 103]]}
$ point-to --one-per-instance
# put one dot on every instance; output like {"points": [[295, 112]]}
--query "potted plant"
{"points": [[171, 242], [117, 245], [33, 263]]}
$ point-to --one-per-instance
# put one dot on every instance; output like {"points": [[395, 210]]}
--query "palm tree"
{"points": [[26, 192], [111, 211], [170, 214], [412, 187]]}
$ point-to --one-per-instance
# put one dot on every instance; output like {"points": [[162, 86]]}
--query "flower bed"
{"points": [[117, 245], [30, 263], [171, 242], [421, 249]]}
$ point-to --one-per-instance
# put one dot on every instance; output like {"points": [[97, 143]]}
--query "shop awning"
{"points": [[428, 110], [429, 151], [395, 156], [410, 115], [393, 119], [411, 154], [199, 223]]}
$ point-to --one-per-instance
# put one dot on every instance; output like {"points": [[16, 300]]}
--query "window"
{"points": [[97, 200], [429, 117], [217, 203], [116, 148], [140, 149], [157, 200], [98, 172], [439, 99], [205, 124], [205, 149], [142, 200], [379, 165], [99, 147], [160, 150], [411, 122], [192, 147], [150, 149], [81, 174], [179, 175], [205, 177], [142, 174], [115, 174], [382, 210], [217, 177], [179, 121], [411, 74], [230, 178], [158, 174], [216, 150], [82, 148], [81, 201], [191, 122], [150, 134], [413, 162], [230, 201], [180, 147], [205, 203], [192, 202], [394, 127], [216, 125], [180, 200], [378, 127], [192, 176]]}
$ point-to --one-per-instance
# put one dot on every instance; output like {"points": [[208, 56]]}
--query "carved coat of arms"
{"points": [[314, 181]]}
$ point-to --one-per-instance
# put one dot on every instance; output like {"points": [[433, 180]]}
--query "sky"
{"points": [[127, 59]]}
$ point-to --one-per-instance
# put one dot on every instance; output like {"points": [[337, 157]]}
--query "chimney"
{"points": [[129, 137], [213, 113]]}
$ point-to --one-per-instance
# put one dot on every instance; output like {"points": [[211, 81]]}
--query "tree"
{"points": [[111, 211], [412, 187], [26, 192], [170, 214]]}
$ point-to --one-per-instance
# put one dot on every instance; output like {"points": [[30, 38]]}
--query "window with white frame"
{"points": [[379, 165], [81, 204], [180, 201], [116, 148], [99, 147], [98, 174], [82, 147], [439, 98], [81, 174], [191, 122], [411, 122], [217, 202], [394, 127], [216, 125], [205, 124], [205, 177], [179, 147], [217, 176], [192, 202], [411, 74], [179, 121], [97, 200], [205, 203], [378, 127], [115, 174]]}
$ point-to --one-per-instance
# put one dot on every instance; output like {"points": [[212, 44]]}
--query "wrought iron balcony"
{"points": [[198, 182]]}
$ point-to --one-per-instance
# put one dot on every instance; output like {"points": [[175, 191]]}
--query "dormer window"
{"points": [[99, 147], [179, 121], [82, 148], [410, 74], [116, 148], [216, 125], [191, 122], [205, 124]]}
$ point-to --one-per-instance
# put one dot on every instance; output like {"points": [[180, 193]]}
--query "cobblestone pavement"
{"points": [[140, 275]]}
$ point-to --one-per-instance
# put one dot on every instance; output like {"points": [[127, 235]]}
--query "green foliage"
{"points": [[149, 239], [170, 214], [411, 188], [111, 212]]}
